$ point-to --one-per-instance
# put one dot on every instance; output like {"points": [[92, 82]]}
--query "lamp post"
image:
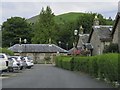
{"points": [[25, 41], [67, 46], [59, 43], [75, 42], [20, 47], [75, 33]]}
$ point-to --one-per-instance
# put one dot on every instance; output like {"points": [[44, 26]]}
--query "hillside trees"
{"points": [[44, 31], [13, 29]]}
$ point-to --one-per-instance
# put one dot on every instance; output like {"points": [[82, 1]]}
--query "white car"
{"points": [[29, 62], [21, 60], [23, 63], [14, 64], [3, 62]]}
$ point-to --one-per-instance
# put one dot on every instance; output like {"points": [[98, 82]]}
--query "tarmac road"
{"points": [[49, 76]]}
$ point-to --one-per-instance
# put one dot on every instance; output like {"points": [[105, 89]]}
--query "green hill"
{"points": [[67, 17], [33, 19]]}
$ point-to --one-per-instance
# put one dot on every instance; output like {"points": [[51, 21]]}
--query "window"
{"points": [[1, 56]]}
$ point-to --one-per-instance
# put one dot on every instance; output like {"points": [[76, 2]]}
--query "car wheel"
{"points": [[29, 67], [21, 67], [11, 69]]}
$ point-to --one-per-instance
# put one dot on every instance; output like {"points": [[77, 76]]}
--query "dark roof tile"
{"points": [[42, 48], [104, 32]]}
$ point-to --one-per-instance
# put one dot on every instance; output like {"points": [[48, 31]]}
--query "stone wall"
{"points": [[116, 37], [98, 46], [40, 57], [95, 41]]}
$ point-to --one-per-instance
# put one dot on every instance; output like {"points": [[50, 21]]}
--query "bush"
{"points": [[58, 61], [63, 61], [81, 64], [6, 51], [93, 66], [102, 66], [113, 47]]}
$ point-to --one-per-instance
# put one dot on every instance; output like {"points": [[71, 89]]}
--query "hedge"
{"points": [[63, 62], [102, 66]]}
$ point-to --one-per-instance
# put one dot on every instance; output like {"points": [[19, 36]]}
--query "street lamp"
{"points": [[20, 49], [59, 43], [75, 41], [25, 41], [20, 41], [75, 33], [67, 46]]}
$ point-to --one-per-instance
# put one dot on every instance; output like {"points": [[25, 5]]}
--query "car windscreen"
{"points": [[29, 58], [1, 56]]}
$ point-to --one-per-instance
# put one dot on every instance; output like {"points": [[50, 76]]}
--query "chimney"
{"points": [[81, 30], [96, 21]]}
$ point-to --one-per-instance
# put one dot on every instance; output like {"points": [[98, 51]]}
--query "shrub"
{"points": [[93, 66], [6, 51], [81, 64], [58, 61], [113, 47], [102, 66], [63, 61]]}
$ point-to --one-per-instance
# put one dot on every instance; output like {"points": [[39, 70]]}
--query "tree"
{"points": [[45, 27], [6, 51], [13, 29], [112, 48]]}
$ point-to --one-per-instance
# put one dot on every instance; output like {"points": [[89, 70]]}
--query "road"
{"points": [[49, 76]]}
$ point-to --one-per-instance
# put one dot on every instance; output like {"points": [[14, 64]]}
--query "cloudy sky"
{"points": [[31, 8]]}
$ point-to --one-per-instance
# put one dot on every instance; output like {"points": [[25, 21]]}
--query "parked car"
{"points": [[29, 62], [13, 64], [3, 62], [21, 60]]}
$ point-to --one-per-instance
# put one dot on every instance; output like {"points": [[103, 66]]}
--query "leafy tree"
{"points": [[86, 20], [112, 48], [6, 51], [45, 27], [61, 27], [13, 29]]}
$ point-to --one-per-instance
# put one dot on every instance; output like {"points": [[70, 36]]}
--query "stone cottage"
{"points": [[100, 37], [37, 51], [116, 31], [82, 44], [83, 41]]}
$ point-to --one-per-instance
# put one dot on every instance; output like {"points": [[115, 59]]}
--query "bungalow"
{"points": [[116, 31], [38, 51]]}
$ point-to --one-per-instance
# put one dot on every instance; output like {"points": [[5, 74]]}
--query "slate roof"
{"points": [[104, 32], [38, 48], [88, 46], [84, 39]]}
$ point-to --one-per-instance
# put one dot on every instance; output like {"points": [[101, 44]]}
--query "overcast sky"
{"points": [[29, 9]]}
